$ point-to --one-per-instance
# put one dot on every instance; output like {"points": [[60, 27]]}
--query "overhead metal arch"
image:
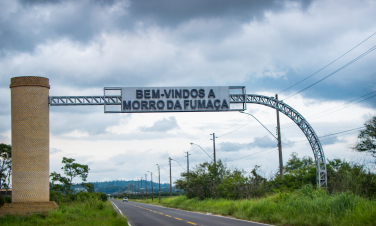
{"points": [[321, 173]]}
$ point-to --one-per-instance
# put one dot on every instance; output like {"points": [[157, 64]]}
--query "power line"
{"points": [[312, 116], [327, 64], [165, 170], [251, 155], [342, 132], [236, 129], [180, 164], [336, 71], [232, 125], [345, 103], [346, 106], [346, 131], [351, 130]]}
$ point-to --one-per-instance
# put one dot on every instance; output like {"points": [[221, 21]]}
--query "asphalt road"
{"points": [[140, 214]]}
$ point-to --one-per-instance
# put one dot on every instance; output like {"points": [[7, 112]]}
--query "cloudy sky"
{"points": [[267, 46]]}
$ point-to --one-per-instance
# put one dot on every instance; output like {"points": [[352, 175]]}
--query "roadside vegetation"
{"points": [[209, 180], [5, 171], [83, 208], [305, 206], [75, 209], [349, 198]]}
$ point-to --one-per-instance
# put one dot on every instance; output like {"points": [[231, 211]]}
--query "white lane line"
{"points": [[129, 224], [214, 215]]}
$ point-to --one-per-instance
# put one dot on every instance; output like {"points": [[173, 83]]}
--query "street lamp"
{"points": [[138, 183], [159, 178], [203, 150], [151, 184], [278, 140], [188, 171], [260, 123], [142, 193]]}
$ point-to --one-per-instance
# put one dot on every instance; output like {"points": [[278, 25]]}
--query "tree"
{"points": [[298, 172], [5, 169], [216, 180], [5, 165], [71, 170], [367, 136]]}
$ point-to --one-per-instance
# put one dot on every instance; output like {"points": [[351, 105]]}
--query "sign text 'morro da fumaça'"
{"points": [[175, 99]]}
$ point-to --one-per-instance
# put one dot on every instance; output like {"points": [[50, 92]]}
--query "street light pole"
{"points": [[279, 143], [146, 186], [142, 194], [138, 193], [202, 150], [214, 147], [188, 171], [151, 184], [159, 178], [170, 177], [278, 139]]}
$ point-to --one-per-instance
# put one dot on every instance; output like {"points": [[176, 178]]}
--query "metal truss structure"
{"points": [[321, 173], [85, 100]]}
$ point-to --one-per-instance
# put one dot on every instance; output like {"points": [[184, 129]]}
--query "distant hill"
{"points": [[121, 186]]}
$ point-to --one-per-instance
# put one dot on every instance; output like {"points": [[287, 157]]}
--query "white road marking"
{"points": [[129, 224]]}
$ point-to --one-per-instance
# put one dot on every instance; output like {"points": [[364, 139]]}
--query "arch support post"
{"points": [[318, 152], [30, 147]]}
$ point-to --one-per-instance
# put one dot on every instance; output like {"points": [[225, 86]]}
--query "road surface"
{"points": [[140, 214]]}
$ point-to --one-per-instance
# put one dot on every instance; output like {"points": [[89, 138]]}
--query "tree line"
{"points": [[210, 180]]}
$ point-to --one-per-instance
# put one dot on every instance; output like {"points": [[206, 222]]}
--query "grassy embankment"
{"points": [[88, 212], [306, 206]]}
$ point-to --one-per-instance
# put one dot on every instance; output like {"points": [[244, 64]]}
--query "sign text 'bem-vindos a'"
{"points": [[175, 99]]}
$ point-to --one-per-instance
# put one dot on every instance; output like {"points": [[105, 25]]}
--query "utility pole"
{"points": [[279, 143], [142, 193], [151, 184], [138, 193], [214, 147], [146, 186], [170, 177], [159, 178], [188, 172]]}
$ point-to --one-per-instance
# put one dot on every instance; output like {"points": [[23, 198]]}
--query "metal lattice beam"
{"points": [[321, 173], [85, 100]]}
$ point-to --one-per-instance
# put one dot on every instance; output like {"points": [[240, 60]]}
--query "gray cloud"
{"points": [[26, 23], [174, 12], [91, 123], [332, 140], [262, 142], [163, 125]]}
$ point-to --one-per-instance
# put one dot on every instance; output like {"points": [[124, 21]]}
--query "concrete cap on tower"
{"points": [[29, 81]]}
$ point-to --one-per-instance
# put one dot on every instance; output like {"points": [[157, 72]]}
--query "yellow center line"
{"points": [[191, 223], [168, 216], [154, 211], [160, 213], [151, 210], [177, 218]]}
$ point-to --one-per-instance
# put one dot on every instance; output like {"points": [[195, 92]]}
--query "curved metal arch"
{"points": [[321, 174]]}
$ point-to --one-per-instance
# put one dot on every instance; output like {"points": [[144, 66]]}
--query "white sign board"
{"points": [[175, 99]]}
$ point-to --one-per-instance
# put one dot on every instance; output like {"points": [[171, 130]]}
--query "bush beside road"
{"points": [[306, 206], [77, 209]]}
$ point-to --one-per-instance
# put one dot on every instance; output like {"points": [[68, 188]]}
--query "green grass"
{"points": [[90, 212], [306, 206]]}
